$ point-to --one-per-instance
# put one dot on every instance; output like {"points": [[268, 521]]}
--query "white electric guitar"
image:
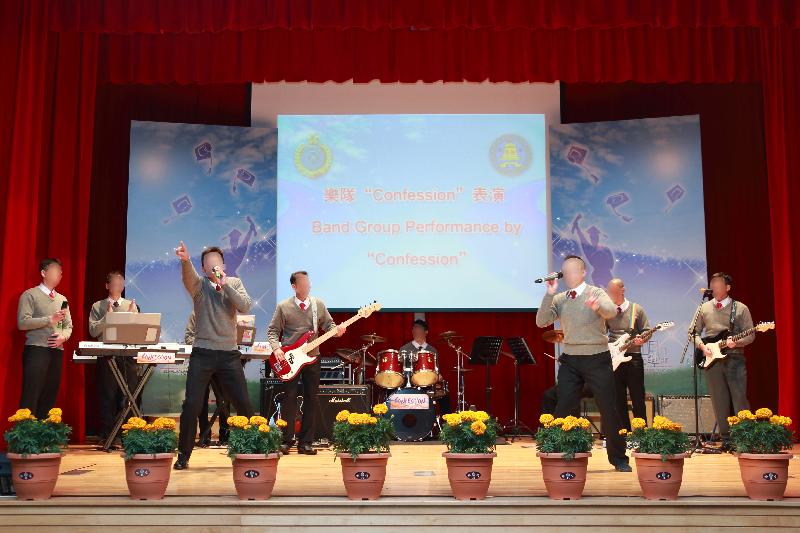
{"points": [[717, 345], [624, 343], [296, 355]]}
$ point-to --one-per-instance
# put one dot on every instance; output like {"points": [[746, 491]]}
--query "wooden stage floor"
{"points": [[309, 492]]}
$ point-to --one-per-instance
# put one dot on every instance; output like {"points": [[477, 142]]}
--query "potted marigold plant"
{"points": [[34, 449], [564, 446], [659, 452], [470, 438], [762, 442], [253, 447], [361, 442], [148, 452]]}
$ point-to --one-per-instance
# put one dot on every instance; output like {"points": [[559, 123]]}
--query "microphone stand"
{"points": [[697, 446]]}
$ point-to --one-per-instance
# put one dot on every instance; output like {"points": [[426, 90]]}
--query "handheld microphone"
{"points": [[64, 305], [550, 277], [217, 272]]}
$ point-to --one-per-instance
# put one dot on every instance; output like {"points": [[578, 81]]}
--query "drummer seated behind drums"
{"points": [[419, 332]]}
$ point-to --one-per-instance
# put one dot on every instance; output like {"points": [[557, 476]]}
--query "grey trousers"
{"points": [[727, 384]]}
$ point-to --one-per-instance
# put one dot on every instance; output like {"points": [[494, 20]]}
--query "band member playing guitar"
{"points": [[293, 318], [727, 378], [629, 376]]}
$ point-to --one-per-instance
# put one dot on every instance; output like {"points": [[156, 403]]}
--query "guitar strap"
{"points": [[633, 316], [733, 317], [314, 313]]}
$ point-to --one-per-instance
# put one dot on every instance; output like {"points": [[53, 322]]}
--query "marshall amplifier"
{"points": [[334, 398], [680, 409]]}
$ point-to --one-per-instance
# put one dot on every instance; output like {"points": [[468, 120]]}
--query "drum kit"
{"points": [[410, 382]]}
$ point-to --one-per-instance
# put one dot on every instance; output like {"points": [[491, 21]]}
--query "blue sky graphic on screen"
{"points": [[207, 186], [416, 211], [628, 197]]}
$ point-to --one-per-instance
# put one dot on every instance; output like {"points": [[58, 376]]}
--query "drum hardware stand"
{"points": [[461, 404], [362, 366], [485, 351], [522, 356], [698, 446]]}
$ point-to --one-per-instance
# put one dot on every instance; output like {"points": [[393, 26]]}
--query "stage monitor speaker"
{"points": [[680, 409], [334, 398]]}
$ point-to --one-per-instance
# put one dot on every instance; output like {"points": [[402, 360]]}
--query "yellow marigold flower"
{"points": [[54, 419], [545, 419], [467, 416], [583, 423], [483, 416], [281, 423], [638, 423], [55, 411], [354, 419], [745, 414], [257, 420], [247, 426], [568, 425], [342, 416], [380, 409], [238, 421], [733, 420], [478, 427], [372, 420], [557, 422], [763, 413], [623, 432], [263, 428]]}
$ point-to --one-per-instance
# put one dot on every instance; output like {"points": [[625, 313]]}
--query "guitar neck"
{"points": [[644, 336], [743, 334], [322, 338]]}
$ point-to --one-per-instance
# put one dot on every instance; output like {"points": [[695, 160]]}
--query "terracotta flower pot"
{"points": [[764, 475], [469, 474], [148, 475], [660, 480], [564, 479], [363, 477], [34, 476], [254, 475]]}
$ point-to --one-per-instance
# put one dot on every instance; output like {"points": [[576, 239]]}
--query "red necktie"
{"points": [[52, 295], [572, 294], [218, 287], [619, 310], [302, 306], [719, 305]]}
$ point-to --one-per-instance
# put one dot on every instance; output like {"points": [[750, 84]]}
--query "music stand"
{"points": [[522, 356], [485, 351]]}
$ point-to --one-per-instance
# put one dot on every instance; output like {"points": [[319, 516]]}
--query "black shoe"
{"points": [[182, 463], [306, 449], [205, 443], [623, 467], [726, 446], [284, 449]]}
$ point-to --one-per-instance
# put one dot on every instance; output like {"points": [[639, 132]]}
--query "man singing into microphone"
{"points": [[109, 397], [294, 317], [583, 310], [216, 298], [44, 317]]}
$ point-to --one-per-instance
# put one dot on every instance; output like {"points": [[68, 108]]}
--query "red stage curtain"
{"points": [[47, 105], [196, 16], [48, 98]]}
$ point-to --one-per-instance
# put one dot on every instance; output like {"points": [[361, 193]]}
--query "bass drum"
{"points": [[413, 414]]}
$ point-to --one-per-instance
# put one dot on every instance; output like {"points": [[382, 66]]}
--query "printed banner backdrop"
{"points": [[627, 196], [207, 186]]}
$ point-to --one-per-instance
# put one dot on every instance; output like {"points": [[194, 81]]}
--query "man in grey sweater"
{"points": [[216, 298], [109, 395], [727, 378], [629, 376], [44, 317], [582, 311], [294, 317]]}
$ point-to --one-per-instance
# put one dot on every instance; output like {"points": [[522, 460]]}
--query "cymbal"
{"points": [[372, 337], [555, 336], [455, 369], [454, 338], [448, 334], [347, 354]]}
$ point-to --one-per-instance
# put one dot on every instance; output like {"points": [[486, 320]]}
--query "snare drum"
{"points": [[389, 372], [426, 371]]}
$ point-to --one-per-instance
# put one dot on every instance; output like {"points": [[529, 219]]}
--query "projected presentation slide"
{"points": [[419, 212]]}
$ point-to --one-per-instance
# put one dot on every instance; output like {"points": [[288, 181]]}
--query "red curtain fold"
{"points": [[199, 16], [47, 104], [49, 160]]}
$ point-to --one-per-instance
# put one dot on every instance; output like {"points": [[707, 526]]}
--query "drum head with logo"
{"points": [[413, 414]]}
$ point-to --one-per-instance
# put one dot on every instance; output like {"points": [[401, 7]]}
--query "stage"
{"points": [[91, 492]]}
